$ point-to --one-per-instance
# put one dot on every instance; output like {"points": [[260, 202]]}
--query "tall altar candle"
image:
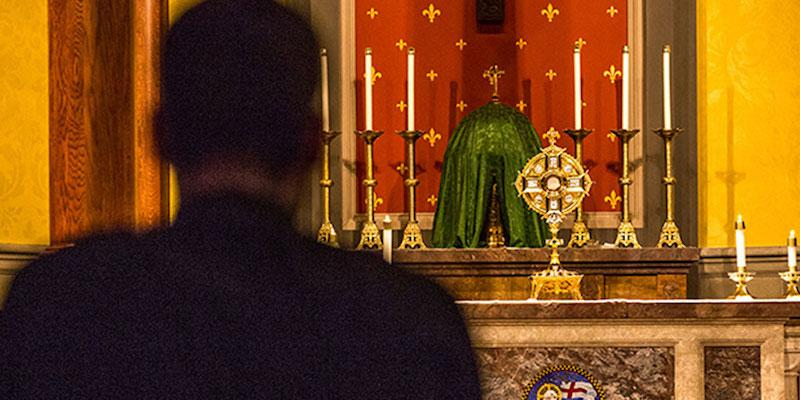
{"points": [[410, 89], [368, 89], [326, 115], [740, 249], [387, 239], [576, 57], [792, 250], [667, 89], [626, 87]]}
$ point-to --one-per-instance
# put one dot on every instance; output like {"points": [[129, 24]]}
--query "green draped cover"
{"points": [[493, 143]]}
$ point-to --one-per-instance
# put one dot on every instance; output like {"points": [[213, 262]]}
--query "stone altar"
{"points": [[657, 350], [488, 274]]}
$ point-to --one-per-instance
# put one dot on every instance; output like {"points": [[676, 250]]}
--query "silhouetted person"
{"points": [[230, 302]]}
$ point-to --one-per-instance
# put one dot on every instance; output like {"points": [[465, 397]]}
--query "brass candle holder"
{"points": [[580, 235], [626, 233], [741, 277], [327, 234], [412, 234], [370, 235], [791, 278], [670, 235]]}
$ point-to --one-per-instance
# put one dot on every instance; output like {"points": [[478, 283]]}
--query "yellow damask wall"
{"points": [[24, 163], [748, 136]]}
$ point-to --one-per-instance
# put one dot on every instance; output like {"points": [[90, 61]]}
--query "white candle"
{"points": [[368, 89], [667, 89], [577, 76], [740, 249], [626, 86], [326, 115], [792, 249], [410, 94], [387, 239]]}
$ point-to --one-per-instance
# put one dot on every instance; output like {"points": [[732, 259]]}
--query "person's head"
{"points": [[237, 81]]}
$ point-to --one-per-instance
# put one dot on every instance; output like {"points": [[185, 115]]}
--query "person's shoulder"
{"points": [[73, 271], [366, 275]]}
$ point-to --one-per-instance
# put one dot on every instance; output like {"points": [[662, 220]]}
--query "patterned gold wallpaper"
{"points": [[748, 100], [24, 164]]}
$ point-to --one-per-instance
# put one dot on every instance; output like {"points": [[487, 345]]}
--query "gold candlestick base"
{"points": [[791, 278], [580, 236], [412, 234], [412, 237], [741, 278], [327, 235], [370, 237], [626, 236], [670, 236]]}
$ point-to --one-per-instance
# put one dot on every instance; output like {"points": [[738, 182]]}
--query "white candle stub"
{"points": [[626, 88], [577, 87], [326, 115], [792, 250], [667, 89], [410, 95], [387, 239], [368, 89], [741, 260]]}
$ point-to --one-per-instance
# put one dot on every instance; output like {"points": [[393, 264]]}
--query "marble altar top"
{"points": [[774, 309]]}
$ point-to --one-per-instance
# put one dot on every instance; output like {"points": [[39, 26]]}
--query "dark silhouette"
{"points": [[231, 302]]}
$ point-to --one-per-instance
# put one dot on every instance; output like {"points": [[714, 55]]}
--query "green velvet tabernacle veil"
{"points": [[492, 144]]}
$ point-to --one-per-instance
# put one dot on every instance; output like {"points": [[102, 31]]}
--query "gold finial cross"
{"points": [[493, 74], [552, 135]]}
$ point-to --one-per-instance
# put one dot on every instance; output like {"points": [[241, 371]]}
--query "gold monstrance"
{"points": [[553, 183]]}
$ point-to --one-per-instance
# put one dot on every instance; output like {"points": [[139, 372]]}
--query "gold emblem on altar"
{"points": [[553, 183]]}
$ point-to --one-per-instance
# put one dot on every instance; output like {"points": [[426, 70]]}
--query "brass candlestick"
{"points": [[670, 235], [370, 236], [412, 234], [626, 234], [580, 235], [326, 232]]}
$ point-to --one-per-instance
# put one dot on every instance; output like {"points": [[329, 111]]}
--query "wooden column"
{"points": [[103, 89]]}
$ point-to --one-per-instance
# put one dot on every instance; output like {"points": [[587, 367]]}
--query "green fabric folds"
{"points": [[492, 144]]}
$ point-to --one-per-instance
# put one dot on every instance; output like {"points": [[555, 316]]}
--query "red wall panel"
{"points": [[527, 45]]}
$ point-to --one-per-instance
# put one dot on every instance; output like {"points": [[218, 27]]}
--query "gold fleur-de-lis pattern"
{"points": [[550, 12], [375, 75], [450, 57], [432, 137], [431, 12], [432, 75], [612, 73], [432, 199], [613, 199]]}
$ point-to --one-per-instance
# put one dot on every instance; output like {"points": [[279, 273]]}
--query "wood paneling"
{"points": [[104, 174]]}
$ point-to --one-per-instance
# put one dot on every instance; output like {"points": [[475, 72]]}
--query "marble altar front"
{"points": [[683, 349]]}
